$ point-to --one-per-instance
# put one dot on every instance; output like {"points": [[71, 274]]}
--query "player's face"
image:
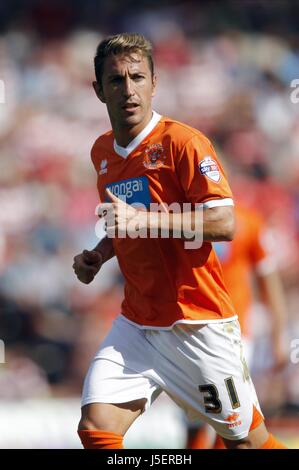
{"points": [[127, 89]]}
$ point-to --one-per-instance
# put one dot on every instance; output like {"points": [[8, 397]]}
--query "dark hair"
{"points": [[125, 42]]}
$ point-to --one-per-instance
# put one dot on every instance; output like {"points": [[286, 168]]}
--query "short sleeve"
{"points": [[201, 174]]}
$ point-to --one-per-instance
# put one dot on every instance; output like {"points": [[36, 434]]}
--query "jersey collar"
{"points": [[125, 151]]}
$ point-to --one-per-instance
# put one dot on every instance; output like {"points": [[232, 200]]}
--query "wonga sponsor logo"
{"points": [[132, 191]]}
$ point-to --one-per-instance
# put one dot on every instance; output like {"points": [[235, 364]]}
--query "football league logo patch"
{"points": [[154, 156], [209, 168]]}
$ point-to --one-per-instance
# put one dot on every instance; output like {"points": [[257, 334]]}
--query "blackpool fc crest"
{"points": [[154, 156]]}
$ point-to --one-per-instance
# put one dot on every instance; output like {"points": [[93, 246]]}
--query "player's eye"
{"points": [[137, 77], [116, 80]]}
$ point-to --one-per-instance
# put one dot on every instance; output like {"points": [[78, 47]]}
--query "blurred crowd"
{"points": [[234, 86]]}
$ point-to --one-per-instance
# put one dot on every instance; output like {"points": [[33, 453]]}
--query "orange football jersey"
{"points": [[166, 283], [240, 258]]}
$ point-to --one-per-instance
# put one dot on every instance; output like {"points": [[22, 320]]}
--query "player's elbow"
{"points": [[224, 226], [228, 235], [229, 228]]}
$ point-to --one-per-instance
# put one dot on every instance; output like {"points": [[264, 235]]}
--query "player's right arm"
{"points": [[88, 263]]}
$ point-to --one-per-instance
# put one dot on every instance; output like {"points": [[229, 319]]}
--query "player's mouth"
{"points": [[130, 107]]}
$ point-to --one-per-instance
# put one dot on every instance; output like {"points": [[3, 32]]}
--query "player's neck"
{"points": [[124, 136]]}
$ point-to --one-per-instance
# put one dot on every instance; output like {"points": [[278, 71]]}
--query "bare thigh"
{"points": [[110, 417]]}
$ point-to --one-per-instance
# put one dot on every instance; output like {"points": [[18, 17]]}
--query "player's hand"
{"points": [[87, 265], [120, 217]]}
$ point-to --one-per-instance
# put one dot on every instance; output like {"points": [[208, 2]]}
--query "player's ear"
{"points": [[154, 83], [99, 91]]}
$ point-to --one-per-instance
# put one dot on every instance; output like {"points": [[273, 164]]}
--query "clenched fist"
{"points": [[87, 264]]}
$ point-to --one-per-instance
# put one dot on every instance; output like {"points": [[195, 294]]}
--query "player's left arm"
{"points": [[213, 224], [207, 224]]}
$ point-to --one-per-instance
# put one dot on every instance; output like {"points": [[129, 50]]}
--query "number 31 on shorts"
{"points": [[211, 396]]}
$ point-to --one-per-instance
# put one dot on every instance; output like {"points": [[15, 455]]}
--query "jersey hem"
{"points": [[235, 437], [190, 322]]}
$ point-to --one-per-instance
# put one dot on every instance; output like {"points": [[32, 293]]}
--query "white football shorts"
{"points": [[201, 367]]}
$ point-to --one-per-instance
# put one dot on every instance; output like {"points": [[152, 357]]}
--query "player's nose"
{"points": [[128, 88]]}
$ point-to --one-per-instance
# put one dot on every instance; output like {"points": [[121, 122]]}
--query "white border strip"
{"points": [[218, 203]]}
